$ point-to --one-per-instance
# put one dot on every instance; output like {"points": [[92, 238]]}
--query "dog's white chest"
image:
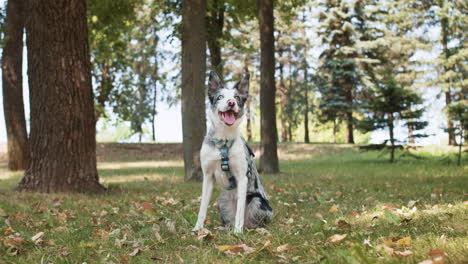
{"points": [[211, 161]]}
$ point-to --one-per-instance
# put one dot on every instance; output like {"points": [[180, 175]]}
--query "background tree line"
{"points": [[337, 65]]}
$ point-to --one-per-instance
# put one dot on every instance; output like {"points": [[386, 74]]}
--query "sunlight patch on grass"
{"points": [[140, 164], [137, 178]]}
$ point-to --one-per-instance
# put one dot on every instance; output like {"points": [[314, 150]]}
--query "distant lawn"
{"points": [[410, 211]]}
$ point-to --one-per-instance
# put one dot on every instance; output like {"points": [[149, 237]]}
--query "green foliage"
{"points": [[337, 77]]}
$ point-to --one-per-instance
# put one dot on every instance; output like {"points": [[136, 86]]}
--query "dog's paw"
{"points": [[238, 230]]}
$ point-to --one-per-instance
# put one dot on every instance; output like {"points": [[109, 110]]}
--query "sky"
{"points": [[169, 120]]}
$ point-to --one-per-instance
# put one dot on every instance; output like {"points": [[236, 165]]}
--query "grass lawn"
{"points": [[332, 204]]}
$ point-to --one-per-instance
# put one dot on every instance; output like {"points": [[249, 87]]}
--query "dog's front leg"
{"points": [[241, 196], [205, 200]]}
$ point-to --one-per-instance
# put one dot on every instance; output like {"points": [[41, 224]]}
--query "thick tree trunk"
{"points": [[193, 85], [215, 34], [13, 106], [269, 133], [62, 142]]}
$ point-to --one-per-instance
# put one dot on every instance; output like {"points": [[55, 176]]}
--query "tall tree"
{"points": [[338, 65], [62, 141], [269, 133], [12, 84], [193, 85], [215, 26]]}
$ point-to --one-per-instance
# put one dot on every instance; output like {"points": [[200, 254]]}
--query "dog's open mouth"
{"points": [[229, 117]]}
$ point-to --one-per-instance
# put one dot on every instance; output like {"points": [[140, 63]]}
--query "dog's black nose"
{"points": [[231, 103]]}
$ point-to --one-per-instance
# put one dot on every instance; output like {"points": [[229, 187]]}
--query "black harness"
{"points": [[224, 145]]}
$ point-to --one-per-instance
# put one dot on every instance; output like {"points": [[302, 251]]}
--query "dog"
{"points": [[227, 159]]}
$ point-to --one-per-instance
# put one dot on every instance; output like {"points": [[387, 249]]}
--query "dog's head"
{"points": [[227, 105]]}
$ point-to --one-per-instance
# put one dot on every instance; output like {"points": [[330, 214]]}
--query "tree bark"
{"points": [[448, 97], [283, 101], [306, 109], [215, 34], [349, 120], [12, 84], [193, 85], [269, 133], [62, 142], [410, 134], [392, 138]]}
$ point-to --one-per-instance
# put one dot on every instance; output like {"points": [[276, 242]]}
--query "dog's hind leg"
{"points": [[258, 211], [205, 200]]}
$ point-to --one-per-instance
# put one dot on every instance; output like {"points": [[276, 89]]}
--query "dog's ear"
{"points": [[243, 85], [214, 83]]}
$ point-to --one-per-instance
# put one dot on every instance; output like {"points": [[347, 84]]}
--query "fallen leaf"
{"points": [[427, 261], [338, 194], [333, 209], [171, 226], [36, 239], [146, 206], [336, 238], [266, 245], [342, 224], [437, 256], [234, 250], [354, 214], [3, 213], [411, 203], [204, 235], [101, 234], [263, 231], [284, 248], [135, 252], [389, 206], [404, 253], [403, 242]]}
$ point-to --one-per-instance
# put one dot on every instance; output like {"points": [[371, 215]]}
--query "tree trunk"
{"points": [[460, 144], [451, 133], [335, 126], [269, 133], [283, 101], [247, 105], [392, 138], [410, 134], [306, 91], [349, 119], [306, 109], [153, 115], [448, 97], [13, 106], [249, 120], [63, 139], [193, 85], [215, 34]]}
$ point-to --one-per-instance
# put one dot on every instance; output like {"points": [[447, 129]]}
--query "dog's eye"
{"points": [[220, 97], [237, 98]]}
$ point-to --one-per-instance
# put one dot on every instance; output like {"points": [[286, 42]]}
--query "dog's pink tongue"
{"points": [[229, 117]]}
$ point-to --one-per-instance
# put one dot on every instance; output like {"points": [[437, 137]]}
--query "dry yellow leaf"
{"points": [[333, 209], [336, 238], [406, 241]]}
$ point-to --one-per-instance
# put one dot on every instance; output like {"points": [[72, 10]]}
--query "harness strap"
{"points": [[224, 146]]}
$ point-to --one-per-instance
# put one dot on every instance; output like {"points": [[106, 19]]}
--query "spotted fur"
{"points": [[247, 205]]}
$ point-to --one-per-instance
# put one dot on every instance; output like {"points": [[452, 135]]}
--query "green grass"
{"points": [[147, 198]]}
